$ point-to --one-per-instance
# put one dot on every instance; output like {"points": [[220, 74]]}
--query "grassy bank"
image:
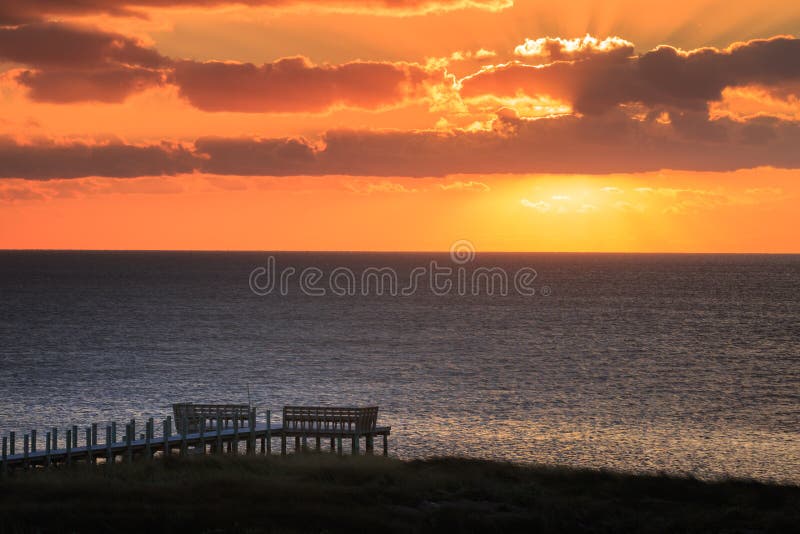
{"points": [[316, 493]]}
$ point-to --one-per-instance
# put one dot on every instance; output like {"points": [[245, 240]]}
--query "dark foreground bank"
{"points": [[317, 493]]}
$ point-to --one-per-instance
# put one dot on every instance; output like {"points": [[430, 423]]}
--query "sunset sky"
{"points": [[400, 125]]}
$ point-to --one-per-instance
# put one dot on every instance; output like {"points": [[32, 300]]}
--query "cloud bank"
{"points": [[665, 77], [598, 144]]}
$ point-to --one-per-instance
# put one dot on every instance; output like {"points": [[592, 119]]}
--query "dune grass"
{"points": [[321, 492]]}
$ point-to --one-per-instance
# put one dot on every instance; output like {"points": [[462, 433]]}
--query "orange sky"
{"points": [[327, 125]]}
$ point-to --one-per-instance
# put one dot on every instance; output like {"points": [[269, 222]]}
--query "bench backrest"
{"points": [[330, 418], [209, 416]]}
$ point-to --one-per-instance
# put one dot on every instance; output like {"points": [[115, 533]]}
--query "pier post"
{"points": [[305, 444], [109, 454], [203, 435], [236, 433], [47, 449], [74, 436], [269, 432], [369, 444], [165, 436], [5, 455], [113, 431], [339, 444], [251, 445], [148, 435], [25, 450], [69, 447], [218, 428], [283, 444], [319, 443], [33, 440], [264, 439], [94, 434], [386, 444], [184, 425], [54, 437], [333, 444], [89, 454], [296, 444], [128, 443], [12, 443], [356, 440]]}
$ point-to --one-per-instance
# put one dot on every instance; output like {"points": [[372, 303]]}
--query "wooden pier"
{"points": [[223, 434]]}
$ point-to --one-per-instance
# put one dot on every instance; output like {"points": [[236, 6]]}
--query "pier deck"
{"points": [[228, 440]]}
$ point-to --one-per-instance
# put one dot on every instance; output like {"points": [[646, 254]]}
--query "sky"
{"points": [[400, 125]]}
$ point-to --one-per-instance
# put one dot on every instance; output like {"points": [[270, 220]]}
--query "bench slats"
{"points": [[330, 419], [209, 416]]}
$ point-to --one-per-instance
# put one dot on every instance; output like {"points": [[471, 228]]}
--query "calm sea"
{"points": [[680, 363]]}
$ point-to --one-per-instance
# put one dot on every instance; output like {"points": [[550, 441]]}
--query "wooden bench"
{"points": [[209, 416], [333, 422]]}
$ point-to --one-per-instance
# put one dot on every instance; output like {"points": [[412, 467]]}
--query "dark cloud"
{"points": [[64, 45], [72, 64], [23, 11], [610, 143], [662, 77], [44, 161], [295, 84], [75, 64], [113, 84], [598, 144]]}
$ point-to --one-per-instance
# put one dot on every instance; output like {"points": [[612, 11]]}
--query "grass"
{"points": [[322, 492]]}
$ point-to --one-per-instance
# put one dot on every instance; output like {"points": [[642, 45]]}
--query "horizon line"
{"points": [[445, 251]]}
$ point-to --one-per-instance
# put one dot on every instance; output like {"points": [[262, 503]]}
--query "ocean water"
{"points": [[645, 363]]}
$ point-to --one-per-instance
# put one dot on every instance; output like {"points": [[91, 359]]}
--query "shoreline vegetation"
{"points": [[327, 493]]}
